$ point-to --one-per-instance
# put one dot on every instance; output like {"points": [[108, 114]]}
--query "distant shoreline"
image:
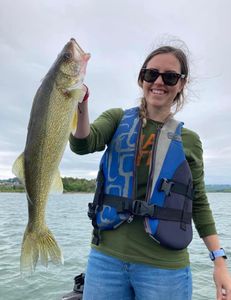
{"points": [[208, 191], [81, 185]]}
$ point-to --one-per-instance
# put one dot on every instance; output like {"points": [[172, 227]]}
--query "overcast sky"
{"points": [[119, 34]]}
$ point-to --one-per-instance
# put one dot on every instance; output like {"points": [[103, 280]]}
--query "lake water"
{"points": [[66, 217]]}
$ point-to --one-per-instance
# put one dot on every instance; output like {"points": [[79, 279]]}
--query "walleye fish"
{"points": [[50, 124]]}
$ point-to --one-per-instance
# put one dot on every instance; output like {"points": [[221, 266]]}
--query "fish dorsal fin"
{"points": [[57, 184], [18, 168]]}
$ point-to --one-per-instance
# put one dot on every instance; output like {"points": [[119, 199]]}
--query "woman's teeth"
{"points": [[158, 92]]}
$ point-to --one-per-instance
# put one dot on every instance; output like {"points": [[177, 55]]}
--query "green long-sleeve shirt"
{"points": [[129, 241]]}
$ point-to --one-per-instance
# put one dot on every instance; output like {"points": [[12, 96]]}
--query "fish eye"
{"points": [[67, 55]]}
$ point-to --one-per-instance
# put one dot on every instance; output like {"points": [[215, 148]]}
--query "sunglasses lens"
{"points": [[170, 78], [150, 75]]}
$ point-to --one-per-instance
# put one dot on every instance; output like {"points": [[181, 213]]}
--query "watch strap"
{"points": [[217, 253]]}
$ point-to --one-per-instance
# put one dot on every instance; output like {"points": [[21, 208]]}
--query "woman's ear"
{"points": [[183, 83]]}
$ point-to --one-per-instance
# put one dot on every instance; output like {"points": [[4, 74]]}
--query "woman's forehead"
{"points": [[164, 61]]}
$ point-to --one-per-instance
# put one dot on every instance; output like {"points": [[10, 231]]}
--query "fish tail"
{"points": [[39, 245]]}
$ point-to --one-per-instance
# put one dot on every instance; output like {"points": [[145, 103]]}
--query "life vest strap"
{"points": [[142, 208], [168, 186], [93, 207]]}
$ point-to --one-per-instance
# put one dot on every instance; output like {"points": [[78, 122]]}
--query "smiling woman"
{"points": [[150, 186]]}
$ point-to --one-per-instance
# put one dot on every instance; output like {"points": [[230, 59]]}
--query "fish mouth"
{"points": [[77, 52], [76, 45]]}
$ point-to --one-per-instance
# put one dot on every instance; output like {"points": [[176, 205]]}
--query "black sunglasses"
{"points": [[169, 78]]}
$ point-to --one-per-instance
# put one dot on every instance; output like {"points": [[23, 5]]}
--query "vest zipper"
{"points": [[151, 174], [136, 154], [152, 167]]}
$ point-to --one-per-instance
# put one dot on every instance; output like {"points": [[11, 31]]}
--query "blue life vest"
{"points": [[168, 206]]}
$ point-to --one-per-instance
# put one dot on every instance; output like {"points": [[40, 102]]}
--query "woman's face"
{"points": [[158, 95]]}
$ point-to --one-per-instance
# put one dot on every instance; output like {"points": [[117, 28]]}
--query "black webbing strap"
{"points": [[121, 204], [95, 205], [142, 208], [183, 224], [172, 214], [169, 186]]}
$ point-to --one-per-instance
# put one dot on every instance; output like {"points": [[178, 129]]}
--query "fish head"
{"points": [[72, 63]]}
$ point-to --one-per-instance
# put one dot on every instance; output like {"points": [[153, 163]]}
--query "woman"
{"points": [[150, 183]]}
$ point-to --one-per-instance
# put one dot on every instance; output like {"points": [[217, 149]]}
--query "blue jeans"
{"points": [[108, 278]]}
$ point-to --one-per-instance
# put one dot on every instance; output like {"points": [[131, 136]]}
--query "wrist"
{"points": [[220, 262], [220, 265], [86, 96]]}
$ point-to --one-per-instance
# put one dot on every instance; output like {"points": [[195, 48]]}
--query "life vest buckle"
{"points": [[166, 186], [142, 208]]}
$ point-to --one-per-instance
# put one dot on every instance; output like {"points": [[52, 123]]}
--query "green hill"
{"points": [[218, 188]]}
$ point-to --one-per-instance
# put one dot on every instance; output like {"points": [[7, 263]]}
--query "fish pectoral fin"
{"points": [[74, 122], [57, 184], [18, 168]]}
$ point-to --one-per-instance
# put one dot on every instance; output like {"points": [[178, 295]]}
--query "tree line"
{"points": [[70, 185]]}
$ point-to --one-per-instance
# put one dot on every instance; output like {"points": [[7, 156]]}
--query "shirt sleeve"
{"points": [[101, 133], [202, 214]]}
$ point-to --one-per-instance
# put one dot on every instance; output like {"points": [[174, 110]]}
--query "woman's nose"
{"points": [[159, 80]]}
